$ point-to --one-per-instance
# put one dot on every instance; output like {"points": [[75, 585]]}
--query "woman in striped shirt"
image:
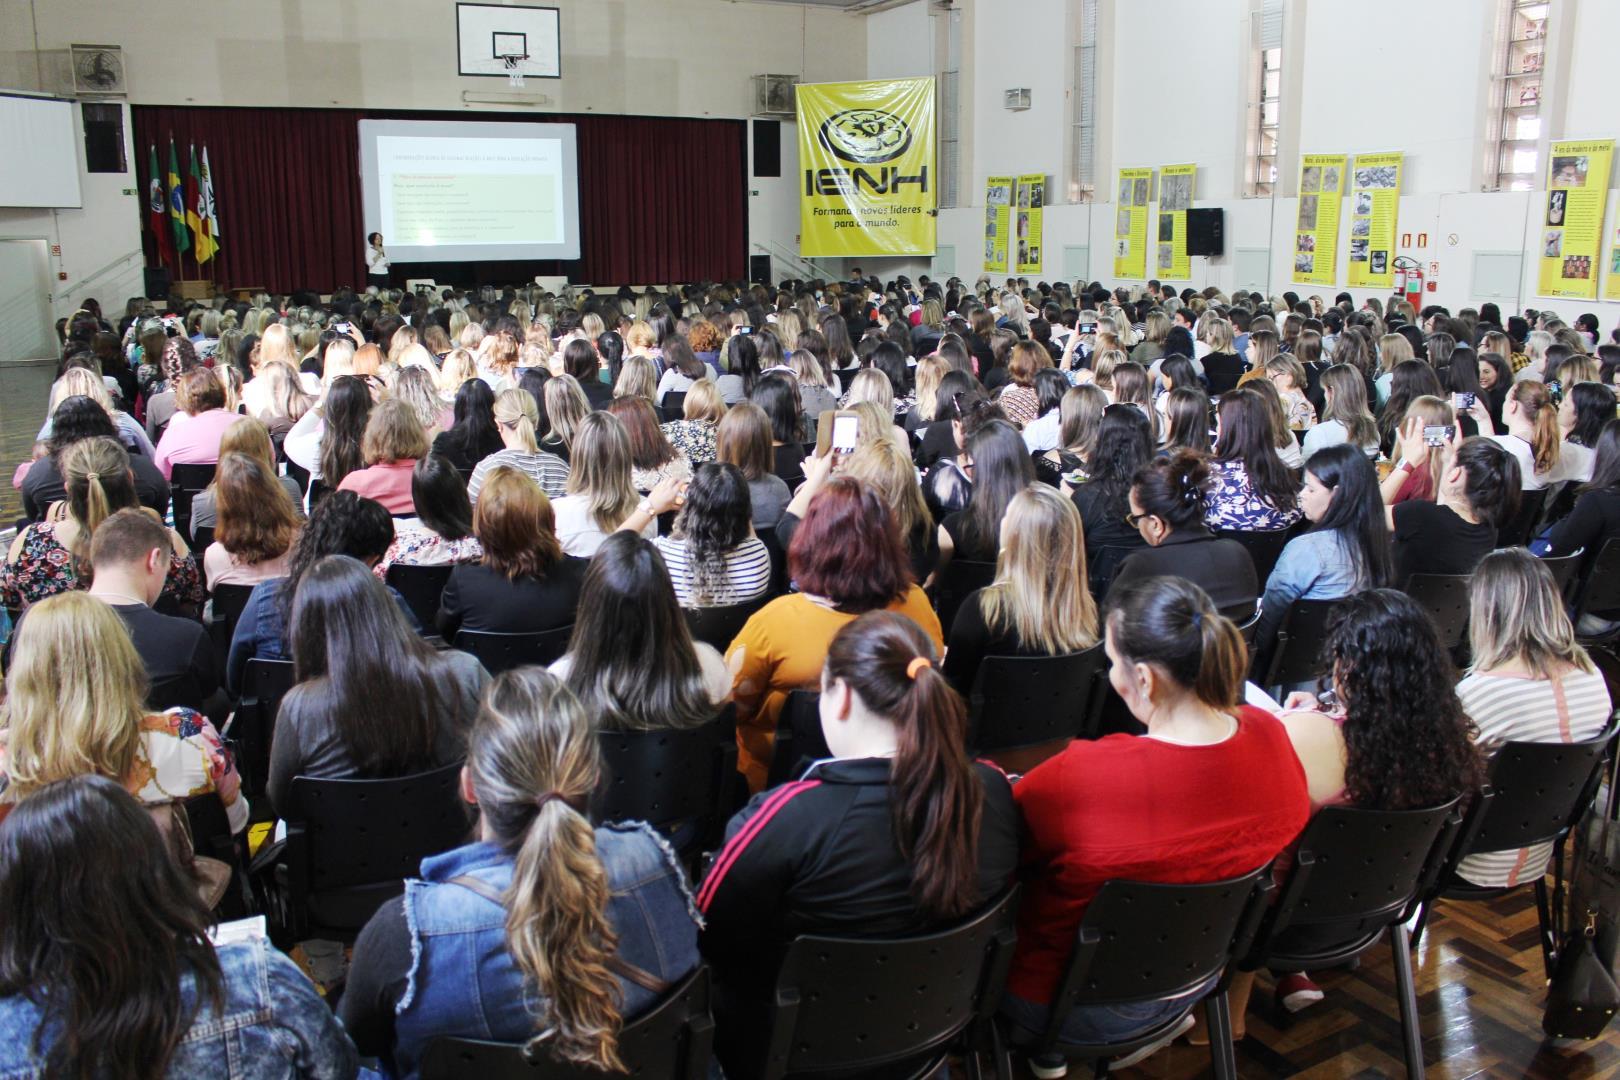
{"points": [[517, 418], [1531, 682], [714, 558]]}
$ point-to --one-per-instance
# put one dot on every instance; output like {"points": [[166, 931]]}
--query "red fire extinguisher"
{"points": [[1409, 280]]}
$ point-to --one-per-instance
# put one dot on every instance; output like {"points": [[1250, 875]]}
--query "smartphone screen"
{"points": [[1462, 400], [845, 434]]}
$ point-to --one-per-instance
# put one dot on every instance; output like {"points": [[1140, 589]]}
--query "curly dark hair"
{"points": [[1408, 742], [78, 418], [342, 523], [713, 521]]}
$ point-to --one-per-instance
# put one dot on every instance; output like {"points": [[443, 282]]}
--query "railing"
{"points": [[795, 265]]}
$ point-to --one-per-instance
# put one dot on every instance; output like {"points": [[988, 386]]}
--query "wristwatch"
{"points": [[646, 507]]}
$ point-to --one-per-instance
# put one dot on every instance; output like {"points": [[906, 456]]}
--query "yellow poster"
{"points": [[1130, 223], [1571, 233], [867, 150], [1031, 199], [1316, 232], [998, 191], [1611, 280], [1170, 248], [1375, 192]]}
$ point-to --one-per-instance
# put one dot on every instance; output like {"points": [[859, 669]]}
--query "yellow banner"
{"points": [[1572, 224], [1375, 192], [998, 194], [1611, 280], [1170, 247], [1130, 222], [1031, 200], [867, 151], [1316, 233]]}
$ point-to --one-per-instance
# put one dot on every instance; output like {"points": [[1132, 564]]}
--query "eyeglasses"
{"points": [[1135, 520]]}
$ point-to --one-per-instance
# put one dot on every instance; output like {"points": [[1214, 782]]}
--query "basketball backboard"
{"points": [[497, 40]]}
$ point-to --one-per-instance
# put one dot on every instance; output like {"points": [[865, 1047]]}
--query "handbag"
{"points": [[1583, 997]]}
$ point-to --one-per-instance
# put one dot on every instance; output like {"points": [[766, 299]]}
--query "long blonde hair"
{"points": [[566, 407], [532, 760], [75, 695], [887, 469], [637, 378], [930, 372], [516, 411], [81, 382], [1434, 412], [1517, 614], [459, 366], [1040, 590], [600, 472]]}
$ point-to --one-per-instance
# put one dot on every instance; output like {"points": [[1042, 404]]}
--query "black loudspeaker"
{"points": [[103, 138], [157, 282], [759, 269], [767, 148], [1206, 231]]}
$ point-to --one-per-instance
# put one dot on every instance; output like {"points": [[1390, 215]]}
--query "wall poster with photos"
{"points": [[1170, 259], [1133, 194], [1572, 220], [1027, 221], [1316, 232], [1375, 193], [998, 192]]}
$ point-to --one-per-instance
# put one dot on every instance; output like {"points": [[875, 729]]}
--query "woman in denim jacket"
{"points": [[106, 967], [545, 932]]}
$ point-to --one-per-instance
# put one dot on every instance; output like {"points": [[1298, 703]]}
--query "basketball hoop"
{"points": [[513, 75]]}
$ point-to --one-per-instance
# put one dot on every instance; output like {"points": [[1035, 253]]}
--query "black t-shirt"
{"points": [[43, 486], [479, 599], [1434, 539], [181, 668], [971, 640], [955, 526], [1223, 370], [789, 463], [598, 393]]}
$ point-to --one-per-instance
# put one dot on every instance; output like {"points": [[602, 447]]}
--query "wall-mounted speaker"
{"points": [[759, 269], [767, 148], [1206, 231]]}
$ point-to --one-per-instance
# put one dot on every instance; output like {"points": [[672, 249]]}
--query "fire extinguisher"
{"points": [[1409, 280]]}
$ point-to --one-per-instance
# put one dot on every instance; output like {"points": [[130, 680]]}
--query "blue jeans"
{"points": [[1097, 1024]]}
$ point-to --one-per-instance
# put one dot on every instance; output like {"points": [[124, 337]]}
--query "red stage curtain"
{"points": [[661, 200]]}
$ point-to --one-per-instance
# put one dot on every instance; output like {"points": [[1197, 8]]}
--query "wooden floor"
{"points": [[1480, 993]]}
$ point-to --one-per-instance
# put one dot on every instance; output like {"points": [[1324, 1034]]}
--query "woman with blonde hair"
{"points": [[573, 923], [390, 447], [886, 467], [403, 339], [600, 492], [368, 361], [1532, 436], [285, 399], [1345, 416], [1132, 387], [497, 355], [1013, 316], [75, 704], [870, 384], [566, 408], [83, 382], [1103, 363], [638, 377], [256, 522], [471, 336], [930, 370], [1416, 474], [517, 419], [816, 394], [1393, 349], [1039, 603], [1531, 681], [459, 366], [1151, 347], [1287, 374], [415, 387], [641, 340], [1222, 364], [701, 413]]}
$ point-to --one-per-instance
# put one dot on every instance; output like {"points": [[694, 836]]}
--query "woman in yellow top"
{"points": [[847, 558]]}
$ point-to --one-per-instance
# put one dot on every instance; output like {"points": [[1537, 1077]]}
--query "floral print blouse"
{"points": [[1234, 504], [44, 567], [694, 438], [1020, 404], [421, 546]]}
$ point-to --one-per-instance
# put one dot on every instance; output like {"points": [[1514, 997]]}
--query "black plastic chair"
{"points": [[1358, 875], [1535, 793], [1145, 941], [352, 843], [673, 406], [1445, 598], [422, 587], [201, 537], [1599, 593], [1516, 531], [682, 783], [1296, 657], [719, 626], [672, 1041], [959, 578], [503, 652], [211, 835], [852, 1006], [253, 726], [1566, 570], [186, 482], [229, 600], [1021, 702], [799, 739], [1265, 548], [1251, 626]]}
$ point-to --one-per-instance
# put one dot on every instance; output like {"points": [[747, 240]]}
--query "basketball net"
{"points": [[513, 75]]}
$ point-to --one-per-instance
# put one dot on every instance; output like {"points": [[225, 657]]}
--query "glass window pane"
{"points": [[1273, 84], [1524, 161], [1526, 126]]}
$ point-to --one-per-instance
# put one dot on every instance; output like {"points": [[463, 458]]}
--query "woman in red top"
{"points": [[1212, 791], [393, 442]]}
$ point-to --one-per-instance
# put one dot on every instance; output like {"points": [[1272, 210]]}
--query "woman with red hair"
{"points": [[846, 558]]}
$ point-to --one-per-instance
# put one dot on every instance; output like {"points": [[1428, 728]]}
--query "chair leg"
{"points": [[1406, 994], [1420, 923], [1545, 927], [1218, 1015], [1000, 1053]]}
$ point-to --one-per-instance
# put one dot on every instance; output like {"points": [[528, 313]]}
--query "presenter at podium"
{"points": [[376, 262]]}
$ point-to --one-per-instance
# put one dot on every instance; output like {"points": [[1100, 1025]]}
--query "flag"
{"points": [[177, 204], [208, 200], [197, 212], [156, 204]]}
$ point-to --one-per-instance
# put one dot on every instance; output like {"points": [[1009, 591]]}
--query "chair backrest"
{"points": [[185, 482], [503, 652], [671, 778], [422, 587], [1265, 548], [843, 1005], [1445, 598], [1250, 627], [1147, 941], [799, 739], [201, 537], [1600, 593], [1357, 871], [719, 626], [674, 1040], [229, 600], [352, 843], [252, 729], [674, 406], [960, 577], [1515, 532], [1020, 701], [1297, 655], [1537, 792], [1565, 570]]}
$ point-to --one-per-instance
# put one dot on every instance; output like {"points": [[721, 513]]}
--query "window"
{"points": [[1265, 96], [1512, 151], [950, 117], [1083, 101]]}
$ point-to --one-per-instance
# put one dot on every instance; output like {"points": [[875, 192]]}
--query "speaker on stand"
{"points": [[759, 269]]}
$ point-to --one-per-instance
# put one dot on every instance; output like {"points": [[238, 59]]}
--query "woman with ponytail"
{"points": [[897, 833], [546, 931], [53, 556], [1532, 435], [1181, 803], [517, 418]]}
